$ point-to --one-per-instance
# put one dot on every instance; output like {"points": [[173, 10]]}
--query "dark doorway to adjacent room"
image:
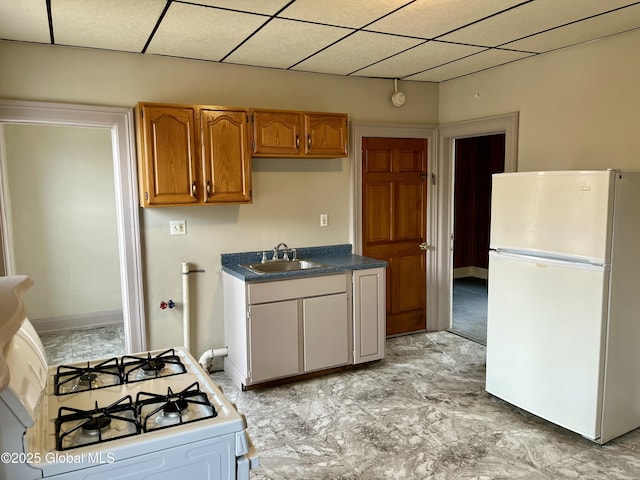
{"points": [[476, 159]]}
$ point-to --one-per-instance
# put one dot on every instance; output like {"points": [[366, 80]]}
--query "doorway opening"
{"points": [[475, 160], [119, 125], [448, 134]]}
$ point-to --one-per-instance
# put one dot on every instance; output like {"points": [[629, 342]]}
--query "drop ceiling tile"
{"points": [[584, 31], [430, 18], [422, 57], [529, 19], [355, 52], [465, 66], [283, 43], [354, 13], [267, 7], [114, 25], [25, 20], [201, 32]]}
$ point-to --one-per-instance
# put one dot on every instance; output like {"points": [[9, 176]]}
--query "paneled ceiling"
{"points": [[419, 40]]}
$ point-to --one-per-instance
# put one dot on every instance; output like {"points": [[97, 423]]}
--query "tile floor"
{"points": [[84, 344], [422, 413]]}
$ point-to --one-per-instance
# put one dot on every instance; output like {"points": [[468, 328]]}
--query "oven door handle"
{"points": [[248, 461]]}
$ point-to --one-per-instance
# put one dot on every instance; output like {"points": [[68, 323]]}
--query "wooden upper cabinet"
{"points": [[282, 133], [167, 155], [276, 133], [225, 155], [192, 155], [326, 134]]}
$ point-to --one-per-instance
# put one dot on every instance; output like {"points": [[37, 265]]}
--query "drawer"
{"points": [[296, 288]]}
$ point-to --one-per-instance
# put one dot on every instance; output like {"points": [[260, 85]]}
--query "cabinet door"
{"points": [[225, 156], [168, 158], [273, 340], [326, 332], [276, 133], [326, 135], [369, 314]]}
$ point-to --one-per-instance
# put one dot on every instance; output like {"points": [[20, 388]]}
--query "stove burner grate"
{"points": [[76, 428], [165, 364], [71, 379], [189, 405]]}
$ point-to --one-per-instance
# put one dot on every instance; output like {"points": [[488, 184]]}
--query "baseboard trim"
{"points": [[476, 272], [66, 323]]}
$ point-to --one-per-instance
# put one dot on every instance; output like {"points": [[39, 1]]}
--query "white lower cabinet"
{"points": [[325, 327], [285, 328], [369, 314], [273, 340]]}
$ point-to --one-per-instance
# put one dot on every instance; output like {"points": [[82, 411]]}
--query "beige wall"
{"points": [[578, 106], [63, 214], [288, 194]]}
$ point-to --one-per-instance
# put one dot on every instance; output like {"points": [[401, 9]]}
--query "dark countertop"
{"points": [[338, 259]]}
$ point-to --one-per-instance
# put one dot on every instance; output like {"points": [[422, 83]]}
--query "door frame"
{"points": [[358, 132], [447, 134], [120, 122]]}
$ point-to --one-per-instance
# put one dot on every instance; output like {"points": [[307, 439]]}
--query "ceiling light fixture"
{"points": [[398, 98]]}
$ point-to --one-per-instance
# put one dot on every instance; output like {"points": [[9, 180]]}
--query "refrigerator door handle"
{"points": [[543, 261]]}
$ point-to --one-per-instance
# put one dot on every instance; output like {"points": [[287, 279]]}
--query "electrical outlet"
{"points": [[178, 227], [324, 219]]}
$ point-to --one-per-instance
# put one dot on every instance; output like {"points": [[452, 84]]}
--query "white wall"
{"points": [[288, 194], [64, 219], [578, 106]]}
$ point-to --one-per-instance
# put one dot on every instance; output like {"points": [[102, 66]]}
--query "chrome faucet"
{"points": [[276, 250]]}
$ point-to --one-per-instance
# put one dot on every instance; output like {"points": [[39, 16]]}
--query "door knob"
{"points": [[424, 246]]}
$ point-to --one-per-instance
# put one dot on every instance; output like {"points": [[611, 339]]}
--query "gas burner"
{"points": [[175, 409], [96, 425], [153, 368], [138, 368], [72, 379], [77, 428], [87, 379], [162, 411]]}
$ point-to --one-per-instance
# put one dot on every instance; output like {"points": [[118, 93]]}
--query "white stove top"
{"points": [[40, 439], [180, 422]]}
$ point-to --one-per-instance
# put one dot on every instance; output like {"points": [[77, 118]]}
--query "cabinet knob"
{"points": [[308, 141], [297, 141], [194, 191], [208, 188], [424, 246]]}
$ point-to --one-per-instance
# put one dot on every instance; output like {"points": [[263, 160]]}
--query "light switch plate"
{"points": [[324, 219], [178, 227]]}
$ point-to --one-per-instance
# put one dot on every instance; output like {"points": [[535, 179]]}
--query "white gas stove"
{"points": [[155, 415]]}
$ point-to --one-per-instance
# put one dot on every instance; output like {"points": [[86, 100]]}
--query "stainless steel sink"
{"points": [[284, 266]]}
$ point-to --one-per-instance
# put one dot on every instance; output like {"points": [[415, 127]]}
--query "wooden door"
{"points": [[394, 203], [225, 155], [168, 154]]}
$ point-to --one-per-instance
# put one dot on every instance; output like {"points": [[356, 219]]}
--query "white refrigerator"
{"points": [[563, 327]]}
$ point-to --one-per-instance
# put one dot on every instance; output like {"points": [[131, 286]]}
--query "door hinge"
{"points": [[146, 196], [433, 179], [253, 145]]}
